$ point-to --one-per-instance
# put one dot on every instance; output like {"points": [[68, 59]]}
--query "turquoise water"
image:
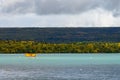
{"points": [[60, 67]]}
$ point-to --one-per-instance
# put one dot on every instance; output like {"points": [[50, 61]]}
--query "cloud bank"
{"points": [[59, 13]]}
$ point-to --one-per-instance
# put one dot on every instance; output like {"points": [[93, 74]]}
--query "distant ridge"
{"points": [[62, 35]]}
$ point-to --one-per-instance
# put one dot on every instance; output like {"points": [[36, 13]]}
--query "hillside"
{"points": [[58, 35]]}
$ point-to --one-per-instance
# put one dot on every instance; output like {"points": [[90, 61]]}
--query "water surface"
{"points": [[60, 67]]}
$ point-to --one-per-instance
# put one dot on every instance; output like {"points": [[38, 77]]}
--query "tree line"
{"points": [[60, 35], [12, 46]]}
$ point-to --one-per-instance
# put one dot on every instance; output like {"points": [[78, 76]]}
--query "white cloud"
{"points": [[93, 18]]}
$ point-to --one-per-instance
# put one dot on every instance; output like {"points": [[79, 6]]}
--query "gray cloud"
{"points": [[111, 5], [48, 6], [42, 7], [93, 18]]}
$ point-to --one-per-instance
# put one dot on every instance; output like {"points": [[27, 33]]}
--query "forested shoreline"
{"points": [[62, 35], [12, 46]]}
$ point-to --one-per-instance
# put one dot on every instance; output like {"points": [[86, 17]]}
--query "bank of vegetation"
{"points": [[12, 46], [60, 35]]}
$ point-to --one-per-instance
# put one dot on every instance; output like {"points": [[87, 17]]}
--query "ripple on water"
{"points": [[86, 72], [11, 74], [61, 67]]}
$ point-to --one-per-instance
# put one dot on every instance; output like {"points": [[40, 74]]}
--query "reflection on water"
{"points": [[13, 68]]}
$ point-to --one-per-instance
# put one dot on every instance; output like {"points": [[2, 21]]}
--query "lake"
{"points": [[60, 67]]}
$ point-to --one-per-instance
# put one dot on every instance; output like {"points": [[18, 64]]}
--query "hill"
{"points": [[60, 35]]}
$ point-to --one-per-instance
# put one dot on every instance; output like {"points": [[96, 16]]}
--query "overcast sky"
{"points": [[59, 13]]}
